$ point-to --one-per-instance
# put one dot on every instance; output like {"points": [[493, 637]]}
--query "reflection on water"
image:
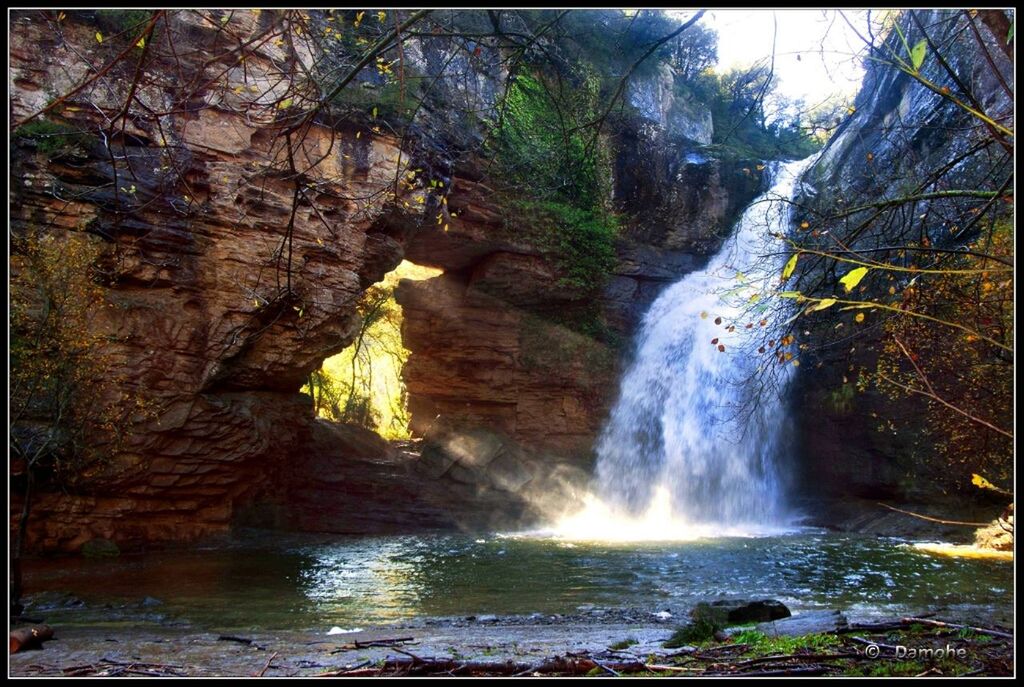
{"points": [[277, 582]]}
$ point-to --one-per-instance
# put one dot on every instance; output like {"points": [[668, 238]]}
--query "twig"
{"points": [[931, 519], [267, 666]]}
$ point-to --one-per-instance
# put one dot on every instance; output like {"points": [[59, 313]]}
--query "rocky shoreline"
{"points": [[594, 641]]}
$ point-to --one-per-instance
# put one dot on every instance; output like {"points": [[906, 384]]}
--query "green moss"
{"points": [[582, 242], [699, 630], [129, 22], [52, 138], [624, 644], [546, 345], [390, 100]]}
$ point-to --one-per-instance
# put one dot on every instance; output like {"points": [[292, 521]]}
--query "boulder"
{"points": [[739, 611]]}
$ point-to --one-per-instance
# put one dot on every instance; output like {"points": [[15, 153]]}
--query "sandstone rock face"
{"points": [[234, 268], [199, 320]]}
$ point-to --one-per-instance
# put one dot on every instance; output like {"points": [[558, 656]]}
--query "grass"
{"points": [[761, 643], [624, 644]]}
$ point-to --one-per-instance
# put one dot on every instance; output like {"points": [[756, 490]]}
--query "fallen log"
{"points": [[30, 637], [956, 626]]}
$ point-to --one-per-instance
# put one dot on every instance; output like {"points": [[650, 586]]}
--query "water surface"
{"points": [[275, 582]]}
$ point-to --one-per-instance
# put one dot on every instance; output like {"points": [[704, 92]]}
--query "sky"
{"points": [[824, 43]]}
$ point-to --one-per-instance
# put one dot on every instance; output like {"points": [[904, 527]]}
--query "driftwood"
{"points": [[30, 637], [111, 668]]}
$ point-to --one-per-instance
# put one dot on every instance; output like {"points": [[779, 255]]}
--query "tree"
{"points": [[65, 412], [903, 283]]}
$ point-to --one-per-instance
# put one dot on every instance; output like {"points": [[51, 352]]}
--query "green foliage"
{"points": [[744, 121], [624, 644], [128, 22], [760, 643], [582, 242], [540, 145], [62, 398], [362, 384], [53, 138], [389, 99]]}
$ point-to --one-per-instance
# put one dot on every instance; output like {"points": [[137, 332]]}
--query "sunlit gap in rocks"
{"points": [[363, 384], [696, 445]]}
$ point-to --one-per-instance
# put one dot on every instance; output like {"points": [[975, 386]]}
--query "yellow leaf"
{"points": [[99, 37], [859, 318], [852, 278], [358, 134], [805, 225], [446, 227], [141, 43], [787, 271], [822, 304], [287, 102], [375, 112], [255, 303], [703, 316], [382, 15], [982, 483]]}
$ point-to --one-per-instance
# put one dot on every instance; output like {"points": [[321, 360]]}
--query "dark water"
{"points": [[270, 582]]}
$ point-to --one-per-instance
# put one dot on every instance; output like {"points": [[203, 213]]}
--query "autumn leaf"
{"points": [[822, 304], [852, 278], [787, 271], [99, 37]]}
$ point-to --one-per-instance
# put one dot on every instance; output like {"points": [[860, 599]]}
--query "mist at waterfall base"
{"points": [[697, 440]]}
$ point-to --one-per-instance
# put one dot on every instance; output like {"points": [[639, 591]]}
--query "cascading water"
{"points": [[693, 444]]}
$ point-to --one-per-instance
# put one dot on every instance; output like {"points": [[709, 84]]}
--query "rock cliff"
{"points": [[903, 139], [237, 247]]}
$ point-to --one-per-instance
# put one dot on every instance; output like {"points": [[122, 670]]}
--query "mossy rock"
{"points": [[740, 612], [100, 548]]}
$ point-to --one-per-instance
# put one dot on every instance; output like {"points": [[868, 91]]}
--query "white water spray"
{"points": [[694, 442]]}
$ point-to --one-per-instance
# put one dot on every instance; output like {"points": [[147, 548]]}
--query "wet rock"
{"points": [[739, 612], [809, 622]]}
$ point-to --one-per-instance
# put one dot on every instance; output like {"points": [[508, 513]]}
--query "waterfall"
{"points": [[696, 441]]}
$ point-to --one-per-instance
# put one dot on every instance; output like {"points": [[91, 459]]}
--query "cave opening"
{"points": [[362, 384]]}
